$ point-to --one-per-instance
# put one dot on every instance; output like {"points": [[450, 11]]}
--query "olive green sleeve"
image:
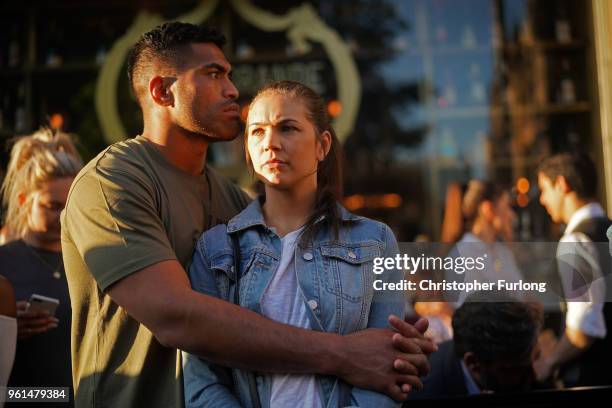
{"points": [[112, 219]]}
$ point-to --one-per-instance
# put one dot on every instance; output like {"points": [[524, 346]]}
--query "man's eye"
{"points": [[214, 74], [289, 128], [257, 132]]}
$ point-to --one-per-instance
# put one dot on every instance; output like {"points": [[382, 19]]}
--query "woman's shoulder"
{"points": [[365, 227]]}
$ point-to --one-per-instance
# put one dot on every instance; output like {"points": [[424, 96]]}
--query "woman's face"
{"points": [[283, 144], [504, 216], [47, 205]]}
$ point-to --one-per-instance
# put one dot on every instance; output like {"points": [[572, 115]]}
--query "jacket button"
{"points": [[352, 255], [307, 256], [313, 304]]}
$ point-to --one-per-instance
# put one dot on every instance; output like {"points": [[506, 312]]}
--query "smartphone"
{"points": [[40, 302]]}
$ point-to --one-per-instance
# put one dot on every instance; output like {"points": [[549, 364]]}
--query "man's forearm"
{"points": [[233, 336], [571, 345]]}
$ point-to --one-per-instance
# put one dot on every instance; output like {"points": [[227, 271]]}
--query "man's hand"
{"points": [[32, 322], [367, 362], [387, 361], [544, 368], [411, 339]]}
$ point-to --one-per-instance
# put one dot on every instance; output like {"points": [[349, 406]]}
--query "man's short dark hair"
{"points": [[494, 331], [578, 170], [163, 44]]}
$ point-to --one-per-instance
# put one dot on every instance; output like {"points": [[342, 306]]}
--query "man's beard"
{"points": [[212, 128]]}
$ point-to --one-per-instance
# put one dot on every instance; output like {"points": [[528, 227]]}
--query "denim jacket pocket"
{"points": [[222, 265], [347, 268]]}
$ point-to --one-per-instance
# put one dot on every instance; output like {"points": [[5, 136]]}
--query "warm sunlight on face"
{"points": [[551, 197], [47, 205], [283, 144]]}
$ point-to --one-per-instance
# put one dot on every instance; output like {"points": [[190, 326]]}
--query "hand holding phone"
{"points": [[36, 316], [43, 303]]}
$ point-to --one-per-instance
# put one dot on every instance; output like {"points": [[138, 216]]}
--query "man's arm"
{"points": [[571, 345], [161, 298], [7, 298]]}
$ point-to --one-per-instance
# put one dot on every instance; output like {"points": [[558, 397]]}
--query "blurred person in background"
{"points": [[568, 187], [8, 330], [493, 350], [488, 217], [41, 168]]}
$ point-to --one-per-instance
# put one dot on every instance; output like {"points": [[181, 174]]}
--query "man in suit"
{"points": [[494, 347]]}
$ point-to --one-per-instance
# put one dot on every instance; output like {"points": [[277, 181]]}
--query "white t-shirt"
{"points": [[8, 343], [284, 302], [586, 316]]}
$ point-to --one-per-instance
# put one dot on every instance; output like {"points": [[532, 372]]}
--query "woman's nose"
{"points": [[272, 140]]}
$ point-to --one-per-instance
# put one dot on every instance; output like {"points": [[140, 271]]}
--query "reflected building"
{"points": [[424, 93]]}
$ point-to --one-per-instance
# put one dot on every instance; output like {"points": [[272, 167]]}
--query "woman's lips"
{"points": [[274, 163]]}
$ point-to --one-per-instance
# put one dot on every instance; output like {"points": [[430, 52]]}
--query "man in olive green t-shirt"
{"points": [[129, 228]]}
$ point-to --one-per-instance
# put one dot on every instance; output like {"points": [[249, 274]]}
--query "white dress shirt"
{"points": [[586, 312]]}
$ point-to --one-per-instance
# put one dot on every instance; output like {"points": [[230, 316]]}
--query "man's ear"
{"points": [[324, 145], [471, 362], [562, 183], [159, 88]]}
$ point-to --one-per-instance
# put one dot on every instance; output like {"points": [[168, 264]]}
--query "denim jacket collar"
{"points": [[253, 215]]}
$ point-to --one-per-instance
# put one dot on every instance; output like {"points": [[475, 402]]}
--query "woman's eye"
{"points": [[257, 132], [288, 128]]}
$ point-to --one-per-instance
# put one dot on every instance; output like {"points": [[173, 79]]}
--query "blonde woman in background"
{"points": [[41, 169]]}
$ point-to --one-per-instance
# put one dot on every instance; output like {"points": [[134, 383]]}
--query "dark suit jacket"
{"points": [[445, 378]]}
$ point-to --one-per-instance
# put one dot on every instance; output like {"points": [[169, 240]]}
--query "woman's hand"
{"points": [[32, 322]]}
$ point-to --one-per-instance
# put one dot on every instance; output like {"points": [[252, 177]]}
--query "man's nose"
{"points": [[230, 91]]}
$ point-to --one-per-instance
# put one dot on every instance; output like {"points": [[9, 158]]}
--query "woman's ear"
{"points": [[324, 145]]}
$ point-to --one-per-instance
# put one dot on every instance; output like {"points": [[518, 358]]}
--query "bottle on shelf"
{"points": [[566, 92], [563, 28]]}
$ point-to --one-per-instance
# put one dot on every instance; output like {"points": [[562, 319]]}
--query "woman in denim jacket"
{"points": [[304, 260]]}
